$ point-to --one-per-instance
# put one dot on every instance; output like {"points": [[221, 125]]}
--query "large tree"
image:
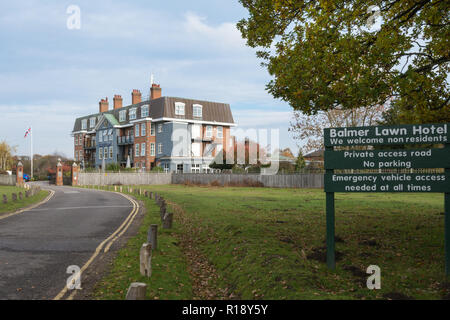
{"points": [[309, 128], [326, 54], [6, 156]]}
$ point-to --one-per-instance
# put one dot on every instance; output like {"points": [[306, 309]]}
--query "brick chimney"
{"points": [[136, 96], [155, 91], [117, 101], [103, 105]]}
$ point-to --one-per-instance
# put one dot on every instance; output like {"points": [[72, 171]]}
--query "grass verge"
{"points": [[12, 206], [270, 244], [169, 279]]}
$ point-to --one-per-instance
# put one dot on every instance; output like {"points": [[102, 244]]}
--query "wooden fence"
{"points": [[302, 180]]}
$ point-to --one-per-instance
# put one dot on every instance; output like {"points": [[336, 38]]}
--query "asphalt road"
{"points": [[38, 245]]}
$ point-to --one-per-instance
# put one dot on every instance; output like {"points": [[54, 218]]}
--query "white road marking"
{"points": [[71, 192]]}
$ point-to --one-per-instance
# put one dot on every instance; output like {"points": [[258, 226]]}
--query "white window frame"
{"points": [[166, 167], [105, 152], [160, 148], [122, 115], [100, 153], [111, 152], [143, 129], [219, 132], [152, 129], [92, 122], [144, 111], [179, 108], [152, 149], [84, 124], [209, 132], [132, 114], [136, 130], [143, 149], [100, 136], [160, 128], [136, 150], [76, 140], [197, 107]]}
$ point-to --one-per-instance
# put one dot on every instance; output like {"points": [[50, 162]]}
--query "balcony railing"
{"points": [[125, 140], [123, 159], [89, 145]]}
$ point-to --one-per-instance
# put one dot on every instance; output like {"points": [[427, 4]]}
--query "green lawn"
{"points": [[270, 244], [16, 205], [168, 265]]}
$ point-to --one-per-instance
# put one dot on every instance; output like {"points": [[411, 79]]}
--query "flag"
{"points": [[27, 132]]}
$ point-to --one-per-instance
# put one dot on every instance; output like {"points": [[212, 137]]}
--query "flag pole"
{"points": [[31, 151]]}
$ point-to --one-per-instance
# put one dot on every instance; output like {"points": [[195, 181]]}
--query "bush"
{"points": [[237, 169], [113, 167], [157, 169]]}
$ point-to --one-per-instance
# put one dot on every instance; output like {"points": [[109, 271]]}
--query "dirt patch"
{"points": [[396, 296], [337, 239], [369, 242], [103, 263], [359, 274], [286, 240], [203, 274], [320, 254]]}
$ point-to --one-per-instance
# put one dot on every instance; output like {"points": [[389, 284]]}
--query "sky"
{"points": [[50, 74]]}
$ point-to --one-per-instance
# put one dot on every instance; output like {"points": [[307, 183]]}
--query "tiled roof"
{"points": [[165, 107]]}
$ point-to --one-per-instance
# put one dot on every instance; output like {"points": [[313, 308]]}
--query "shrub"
{"points": [[157, 169], [113, 167]]}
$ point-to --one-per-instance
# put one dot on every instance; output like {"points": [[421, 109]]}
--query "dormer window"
{"points": [[92, 122], [197, 110], [179, 108], [122, 115], [84, 124], [144, 111], [132, 114]]}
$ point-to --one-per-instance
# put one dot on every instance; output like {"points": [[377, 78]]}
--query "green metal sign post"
{"points": [[447, 224], [392, 159], [331, 260]]}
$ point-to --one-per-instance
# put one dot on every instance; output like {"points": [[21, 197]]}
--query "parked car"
{"points": [[26, 177]]}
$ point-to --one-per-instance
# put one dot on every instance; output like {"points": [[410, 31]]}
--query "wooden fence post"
{"points": [[14, 197], [5, 199], [136, 291], [145, 259], [167, 221], [152, 236]]}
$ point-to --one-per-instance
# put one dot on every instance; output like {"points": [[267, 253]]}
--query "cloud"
{"points": [[225, 35], [50, 75]]}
